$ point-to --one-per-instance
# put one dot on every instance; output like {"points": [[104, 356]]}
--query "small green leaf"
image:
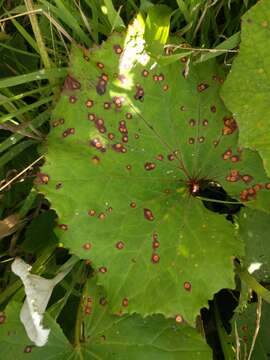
{"points": [[39, 234], [244, 330], [254, 232], [113, 15], [157, 28], [246, 90]]}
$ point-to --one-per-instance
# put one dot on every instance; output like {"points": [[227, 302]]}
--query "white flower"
{"points": [[38, 291]]}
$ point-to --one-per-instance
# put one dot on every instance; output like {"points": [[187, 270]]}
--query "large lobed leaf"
{"points": [[105, 336], [130, 146], [246, 90]]}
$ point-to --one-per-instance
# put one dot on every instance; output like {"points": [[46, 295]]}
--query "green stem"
{"points": [[41, 46], [224, 338], [253, 284], [217, 201]]}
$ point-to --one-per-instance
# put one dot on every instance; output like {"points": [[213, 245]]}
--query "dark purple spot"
{"points": [[125, 302], [187, 286], [160, 157], [2, 318], [128, 116], [58, 185], [213, 109], [91, 212], [139, 95], [145, 73], [117, 49], [89, 103], [71, 83], [202, 86], [63, 227], [148, 214], [125, 138], [106, 105], [103, 301], [235, 158], [72, 99], [178, 318], [27, 349], [192, 122], [201, 139], [95, 160], [246, 178], [165, 87], [155, 258], [67, 132], [120, 245], [91, 117], [102, 269], [149, 166], [100, 65], [87, 246], [101, 216], [205, 122], [42, 178], [171, 157], [119, 148], [58, 122], [155, 244], [111, 136]]}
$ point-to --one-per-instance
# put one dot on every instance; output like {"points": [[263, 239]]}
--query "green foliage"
{"points": [[105, 335], [252, 83], [141, 169], [250, 326], [254, 231]]}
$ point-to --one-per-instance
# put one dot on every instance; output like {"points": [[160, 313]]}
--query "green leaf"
{"points": [[113, 15], [34, 76], [130, 336], [246, 90], [14, 341], [131, 147], [254, 232], [157, 27], [105, 336], [39, 233], [245, 323]]}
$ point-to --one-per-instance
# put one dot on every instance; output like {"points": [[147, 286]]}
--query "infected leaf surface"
{"points": [[254, 229], [105, 336], [246, 90], [245, 323], [14, 341], [130, 336], [129, 145]]}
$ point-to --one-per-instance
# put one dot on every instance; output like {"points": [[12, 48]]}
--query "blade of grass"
{"points": [[226, 46], [17, 176], [33, 76], [39, 38], [41, 89], [62, 12], [25, 109], [16, 137], [16, 150]]}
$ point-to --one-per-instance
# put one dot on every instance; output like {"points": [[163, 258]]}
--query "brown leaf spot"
{"points": [[148, 214]]}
